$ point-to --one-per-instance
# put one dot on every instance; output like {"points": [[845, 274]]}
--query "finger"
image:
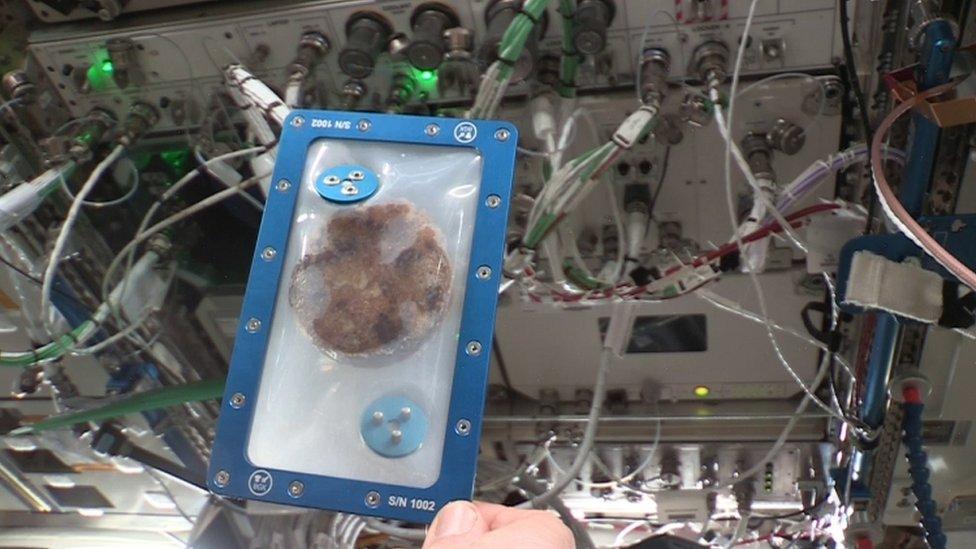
{"points": [[457, 525], [524, 528], [498, 516]]}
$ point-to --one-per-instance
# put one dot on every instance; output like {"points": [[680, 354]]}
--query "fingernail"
{"points": [[455, 519]]}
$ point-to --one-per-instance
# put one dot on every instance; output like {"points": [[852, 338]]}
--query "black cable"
{"points": [[40, 282], [862, 104]]}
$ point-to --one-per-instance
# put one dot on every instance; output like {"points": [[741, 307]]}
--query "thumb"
{"points": [[457, 525]]}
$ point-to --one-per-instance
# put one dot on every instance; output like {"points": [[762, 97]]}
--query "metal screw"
{"points": [[297, 122], [484, 272], [331, 180], [463, 427], [473, 348], [396, 436], [377, 418], [357, 175], [296, 489], [502, 134], [493, 201], [432, 130], [283, 185], [268, 253], [237, 401], [405, 413], [349, 190], [253, 325], [222, 478], [373, 500], [364, 125]]}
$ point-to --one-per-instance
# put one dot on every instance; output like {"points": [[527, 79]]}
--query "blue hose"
{"points": [[919, 471]]}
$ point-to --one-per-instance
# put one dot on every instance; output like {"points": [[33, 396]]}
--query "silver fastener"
{"points": [[364, 125], [484, 272], [283, 185], [357, 175], [237, 401], [463, 427], [405, 413], [373, 500], [297, 122], [396, 436], [493, 201], [502, 134], [331, 180], [222, 478], [377, 418], [349, 190], [432, 130], [296, 489], [253, 325], [473, 348], [268, 253]]}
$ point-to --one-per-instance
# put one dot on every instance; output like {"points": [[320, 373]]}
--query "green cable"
{"points": [[513, 41], [569, 60], [132, 404]]}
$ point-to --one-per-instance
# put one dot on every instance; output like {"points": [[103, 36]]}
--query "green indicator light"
{"points": [[427, 76], [100, 72], [702, 391], [176, 160]]}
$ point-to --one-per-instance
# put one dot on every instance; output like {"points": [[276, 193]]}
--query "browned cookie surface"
{"points": [[378, 279]]}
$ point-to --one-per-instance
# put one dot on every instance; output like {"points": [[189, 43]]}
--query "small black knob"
{"points": [[592, 19], [366, 36], [427, 48]]}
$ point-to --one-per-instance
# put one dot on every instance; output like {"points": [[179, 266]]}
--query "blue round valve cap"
{"points": [[347, 184], [393, 426]]}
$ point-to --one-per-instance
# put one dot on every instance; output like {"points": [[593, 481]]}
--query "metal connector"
{"points": [[142, 117]]}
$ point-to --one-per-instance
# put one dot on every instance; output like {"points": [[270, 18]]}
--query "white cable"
{"points": [[69, 222], [727, 305], [175, 188], [133, 188], [730, 146]]}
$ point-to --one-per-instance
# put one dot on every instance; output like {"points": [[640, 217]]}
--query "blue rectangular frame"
{"points": [[231, 474]]}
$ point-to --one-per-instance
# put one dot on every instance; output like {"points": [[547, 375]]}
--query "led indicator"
{"points": [[702, 391]]}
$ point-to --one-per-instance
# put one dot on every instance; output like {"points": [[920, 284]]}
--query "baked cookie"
{"points": [[378, 279]]}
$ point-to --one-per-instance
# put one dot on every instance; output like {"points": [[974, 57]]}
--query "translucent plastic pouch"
{"points": [[359, 363]]}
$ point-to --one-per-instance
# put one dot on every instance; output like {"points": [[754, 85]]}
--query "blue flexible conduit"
{"points": [[918, 469]]}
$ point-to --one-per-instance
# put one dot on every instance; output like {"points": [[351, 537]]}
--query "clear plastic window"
{"points": [[357, 376]]}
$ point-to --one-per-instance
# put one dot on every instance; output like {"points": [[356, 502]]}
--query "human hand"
{"points": [[466, 525]]}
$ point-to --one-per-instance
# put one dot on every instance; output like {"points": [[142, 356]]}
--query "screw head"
{"points": [[432, 130], [331, 180], [364, 125], [268, 253], [237, 401], [222, 478], [253, 325], [484, 272], [296, 489], [473, 348], [349, 189], [297, 122], [373, 500], [502, 134], [283, 185], [493, 201], [463, 427], [357, 175]]}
